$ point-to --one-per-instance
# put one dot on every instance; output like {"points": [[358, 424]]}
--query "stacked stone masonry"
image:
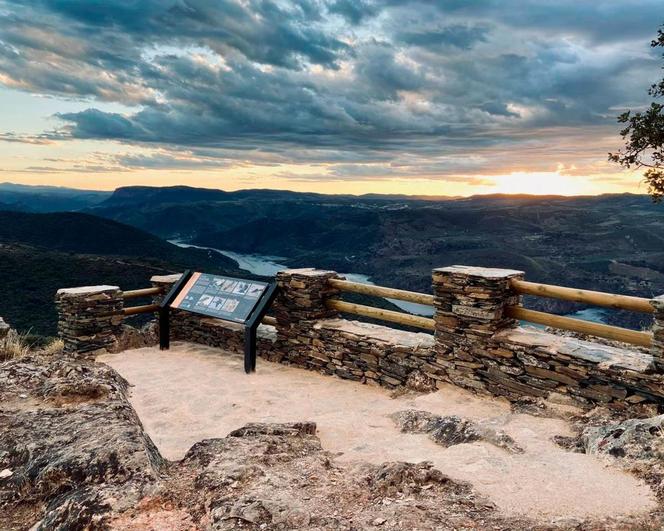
{"points": [[89, 318], [475, 345], [481, 349]]}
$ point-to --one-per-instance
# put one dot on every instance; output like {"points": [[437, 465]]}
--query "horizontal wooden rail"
{"points": [[267, 320], [596, 298], [138, 293], [380, 291], [384, 315], [146, 308], [615, 333]]}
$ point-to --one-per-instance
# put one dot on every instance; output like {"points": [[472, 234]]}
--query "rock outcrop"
{"points": [[451, 430], [635, 444], [71, 445]]}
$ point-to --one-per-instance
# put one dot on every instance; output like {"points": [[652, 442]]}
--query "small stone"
{"points": [[6, 473], [379, 521]]}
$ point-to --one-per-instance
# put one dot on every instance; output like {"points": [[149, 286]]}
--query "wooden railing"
{"points": [[380, 291], [595, 298], [379, 313], [135, 310], [138, 294]]}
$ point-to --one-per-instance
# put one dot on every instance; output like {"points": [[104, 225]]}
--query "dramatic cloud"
{"points": [[391, 88]]}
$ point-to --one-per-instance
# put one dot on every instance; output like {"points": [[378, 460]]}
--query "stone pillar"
{"points": [[658, 333], [299, 304], [470, 308], [177, 319], [165, 282], [302, 295], [89, 317]]}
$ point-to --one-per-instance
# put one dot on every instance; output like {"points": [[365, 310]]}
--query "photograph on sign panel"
{"points": [[241, 288], [255, 290], [217, 303], [228, 285], [230, 305], [205, 300]]}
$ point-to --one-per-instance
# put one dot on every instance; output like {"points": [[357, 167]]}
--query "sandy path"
{"points": [[193, 392]]}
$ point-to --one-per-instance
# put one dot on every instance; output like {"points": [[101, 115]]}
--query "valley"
{"points": [[612, 243]]}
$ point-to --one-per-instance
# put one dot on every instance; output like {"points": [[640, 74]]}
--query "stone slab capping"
{"points": [[658, 333], [89, 317]]}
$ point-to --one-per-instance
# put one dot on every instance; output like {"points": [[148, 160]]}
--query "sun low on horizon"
{"points": [[332, 96]]}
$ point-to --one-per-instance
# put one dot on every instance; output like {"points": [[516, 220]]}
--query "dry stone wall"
{"points": [[475, 344], [484, 350], [313, 337]]}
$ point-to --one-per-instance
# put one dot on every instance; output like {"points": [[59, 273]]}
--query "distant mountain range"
{"points": [[609, 243], [47, 198]]}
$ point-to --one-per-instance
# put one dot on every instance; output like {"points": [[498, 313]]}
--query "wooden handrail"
{"points": [[615, 333], [146, 308], [378, 313], [138, 293], [267, 320], [596, 298], [380, 291]]}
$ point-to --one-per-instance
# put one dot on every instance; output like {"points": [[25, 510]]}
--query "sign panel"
{"points": [[232, 299]]}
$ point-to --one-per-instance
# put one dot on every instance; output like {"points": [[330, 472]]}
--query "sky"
{"points": [[437, 97]]}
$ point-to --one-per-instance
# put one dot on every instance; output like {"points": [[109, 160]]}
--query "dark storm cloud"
{"points": [[457, 35], [334, 80], [355, 11]]}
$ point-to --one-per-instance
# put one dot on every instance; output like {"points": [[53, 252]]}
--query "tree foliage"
{"points": [[644, 137]]}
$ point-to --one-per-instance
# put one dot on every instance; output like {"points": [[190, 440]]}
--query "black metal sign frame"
{"points": [[250, 324]]}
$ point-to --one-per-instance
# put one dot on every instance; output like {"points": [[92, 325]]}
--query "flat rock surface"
{"points": [[192, 392], [382, 333], [578, 348]]}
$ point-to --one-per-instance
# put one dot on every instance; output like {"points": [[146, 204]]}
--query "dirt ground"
{"points": [[192, 393]]}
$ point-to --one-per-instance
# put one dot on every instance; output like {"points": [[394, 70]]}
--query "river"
{"points": [[270, 265]]}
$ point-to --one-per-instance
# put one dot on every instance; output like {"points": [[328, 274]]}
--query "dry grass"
{"points": [[14, 345], [53, 348]]}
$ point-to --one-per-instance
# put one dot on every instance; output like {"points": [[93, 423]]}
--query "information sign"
{"points": [[232, 299]]}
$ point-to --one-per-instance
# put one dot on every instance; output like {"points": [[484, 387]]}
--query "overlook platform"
{"points": [[194, 392]]}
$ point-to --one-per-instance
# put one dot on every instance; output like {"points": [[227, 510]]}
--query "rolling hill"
{"points": [[40, 253]]}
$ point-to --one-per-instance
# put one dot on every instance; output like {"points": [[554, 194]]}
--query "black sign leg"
{"points": [[164, 328], [249, 349], [165, 310]]}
